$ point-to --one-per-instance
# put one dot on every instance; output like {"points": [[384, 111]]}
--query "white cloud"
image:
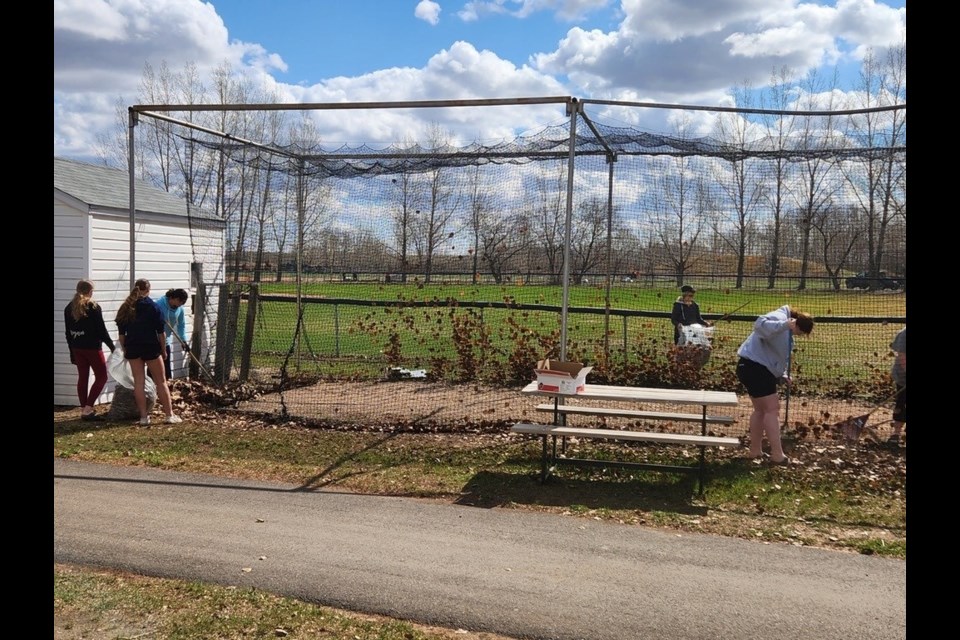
{"points": [[110, 56], [569, 10], [677, 49], [684, 51], [428, 11], [458, 73]]}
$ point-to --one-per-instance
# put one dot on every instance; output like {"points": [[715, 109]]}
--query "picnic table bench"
{"points": [[703, 399]]}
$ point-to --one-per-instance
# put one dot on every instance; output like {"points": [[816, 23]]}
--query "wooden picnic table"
{"points": [[704, 399]]}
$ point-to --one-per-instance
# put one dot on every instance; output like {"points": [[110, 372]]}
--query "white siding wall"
{"points": [[164, 253], [70, 241]]}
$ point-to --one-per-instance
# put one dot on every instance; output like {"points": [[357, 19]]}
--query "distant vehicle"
{"points": [[883, 281]]}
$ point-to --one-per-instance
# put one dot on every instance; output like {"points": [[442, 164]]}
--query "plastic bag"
{"points": [[695, 335], [119, 369]]}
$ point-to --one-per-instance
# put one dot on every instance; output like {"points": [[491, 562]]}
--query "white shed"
{"points": [[91, 240]]}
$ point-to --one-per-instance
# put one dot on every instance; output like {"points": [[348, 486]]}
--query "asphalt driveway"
{"points": [[515, 573]]}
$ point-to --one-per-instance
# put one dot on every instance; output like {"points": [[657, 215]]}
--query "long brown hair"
{"points": [[128, 310], [804, 321], [84, 295]]}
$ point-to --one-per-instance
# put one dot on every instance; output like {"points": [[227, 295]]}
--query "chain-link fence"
{"points": [[400, 358]]}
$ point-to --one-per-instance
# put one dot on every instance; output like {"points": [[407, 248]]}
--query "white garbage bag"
{"points": [[124, 405], [695, 335], [119, 369]]}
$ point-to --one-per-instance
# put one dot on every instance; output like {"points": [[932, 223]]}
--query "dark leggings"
{"points": [[85, 360], [166, 365]]}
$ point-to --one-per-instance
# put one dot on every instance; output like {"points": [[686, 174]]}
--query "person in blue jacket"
{"points": [[140, 324], [171, 306], [764, 361]]}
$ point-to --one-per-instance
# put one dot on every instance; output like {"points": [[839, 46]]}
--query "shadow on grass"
{"points": [[69, 425], [643, 492]]}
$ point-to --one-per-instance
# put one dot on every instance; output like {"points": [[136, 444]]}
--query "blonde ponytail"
{"points": [[84, 294]]}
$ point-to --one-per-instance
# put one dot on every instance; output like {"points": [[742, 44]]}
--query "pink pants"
{"points": [[85, 360]]}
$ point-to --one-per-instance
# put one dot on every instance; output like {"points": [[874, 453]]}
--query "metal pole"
{"points": [[606, 312], [132, 123], [574, 110]]}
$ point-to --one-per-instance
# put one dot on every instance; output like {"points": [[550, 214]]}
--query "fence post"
{"points": [[336, 330], [252, 303], [199, 317], [626, 353], [227, 310]]}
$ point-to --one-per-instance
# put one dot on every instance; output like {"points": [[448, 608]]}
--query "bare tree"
{"points": [[588, 240], [479, 203], [738, 184], [309, 190], [779, 127], [403, 217], [501, 239], [442, 200], [835, 239], [677, 206], [549, 217], [283, 225], [817, 184], [274, 123], [879, 182]]}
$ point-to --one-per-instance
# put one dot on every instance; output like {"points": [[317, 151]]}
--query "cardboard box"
{"points": [[555, 376]]}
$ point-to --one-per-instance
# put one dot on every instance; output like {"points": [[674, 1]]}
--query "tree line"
{"points": [[797, 196]]}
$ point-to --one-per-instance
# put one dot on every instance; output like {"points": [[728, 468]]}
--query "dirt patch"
{"points": [[442, 406]]}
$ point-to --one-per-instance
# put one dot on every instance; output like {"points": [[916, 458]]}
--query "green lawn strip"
{"points": [[502, 470], [89, 603]]}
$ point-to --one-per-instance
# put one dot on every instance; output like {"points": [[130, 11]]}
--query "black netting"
{"points": [[418, 282]]}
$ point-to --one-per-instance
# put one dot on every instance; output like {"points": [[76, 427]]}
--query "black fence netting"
{"points": [[420, 282]]}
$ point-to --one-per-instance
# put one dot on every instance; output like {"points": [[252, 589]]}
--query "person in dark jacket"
{"points": [[141, 325], [685, 312], [86, 334]]}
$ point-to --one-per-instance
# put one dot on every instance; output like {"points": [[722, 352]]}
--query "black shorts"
{"points": [[900, 404], [144, 352], [756, 378]]}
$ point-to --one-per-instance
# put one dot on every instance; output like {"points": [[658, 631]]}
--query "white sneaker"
{"points": [[174, 419], [145, 420]]}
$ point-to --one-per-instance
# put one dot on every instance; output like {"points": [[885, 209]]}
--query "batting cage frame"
{"points": [[581, 228]]}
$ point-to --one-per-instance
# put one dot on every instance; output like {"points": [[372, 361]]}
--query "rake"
{"points": [[186, 347], [852, 428]]}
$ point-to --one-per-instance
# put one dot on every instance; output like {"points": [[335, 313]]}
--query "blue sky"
{"points": [[669, 51]]}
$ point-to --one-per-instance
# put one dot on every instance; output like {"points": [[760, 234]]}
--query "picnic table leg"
{"points": [[703, 451], [543, 460], [703, 468], [560, 420]]}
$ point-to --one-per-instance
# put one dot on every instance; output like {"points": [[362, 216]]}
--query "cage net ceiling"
{"points": [[552, 142]]}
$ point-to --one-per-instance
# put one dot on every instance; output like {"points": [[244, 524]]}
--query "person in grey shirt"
{"points": [[764, 361]]}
